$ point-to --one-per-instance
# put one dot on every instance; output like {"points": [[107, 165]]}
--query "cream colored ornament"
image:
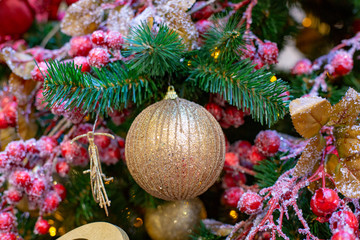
{"points": [[175, 149], [174, 220]]}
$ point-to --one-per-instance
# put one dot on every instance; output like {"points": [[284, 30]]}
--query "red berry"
{"points": [[98, 57], [247, 51], [232, 196], [83, 63], [80, 46], [7, 221], [62, 168], [61, 190], [10, 113], [41, 226], [111, 155], [342, 63], [344, 219], [233, 116], [121, 142], [46, 145], [215, 110], [31, 146], [303, 66], [119, 117], [82, 158], [242, 148], [234, 179], [68, 150], [83, 129], [343, 235], [13, 196], [203, 13], [36, 188], [8, 236], [102, 141], [231, 160], [76, 115], [21, 178], [250, 203], [267, 142], [114, 40], [69, 2], [3, 121], [51, 202], [16, 151], [98, 37], [255, 156], [268, 52], [39, 72], [258, 63], [40, 100], [325, 201], [4, 160], [203, 26]]}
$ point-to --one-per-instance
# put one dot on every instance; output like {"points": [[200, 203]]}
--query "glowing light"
{"points": [[138, 222], [306, 22], [233, 214], [273, 78], [52, 231], [215, 54]]}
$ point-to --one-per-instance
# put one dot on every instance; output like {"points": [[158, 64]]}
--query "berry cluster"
{"points": [[259, 52], [8, 110], [226, 114], [27, 167]]}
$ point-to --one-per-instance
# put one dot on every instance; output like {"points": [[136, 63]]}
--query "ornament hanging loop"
{"points": [[171, 94]]}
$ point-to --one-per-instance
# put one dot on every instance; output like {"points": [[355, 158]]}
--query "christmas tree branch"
{"points": [[110, 88], [155, 52], [243, 87]]}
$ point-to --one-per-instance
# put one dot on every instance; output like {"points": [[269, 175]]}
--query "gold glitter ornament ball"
{"points": [[175, 149], [174, 220]]}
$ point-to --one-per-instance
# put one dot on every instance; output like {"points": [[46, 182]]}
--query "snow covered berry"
{"points": [[7, 221], [40, 103], [342, 63], [98, 57], [46, 146], [62, 168], [4, 160], [234, 179], [13, 195], [8, 236], [247, 51], [51, 202], [342, 220], [36, 188], [215, 110], [98, 37], [324, 202], [242, 148], [39, 72], [267, 142], [21, 178], [233, 116], [114, 40], [80, 46], [255, 156], [61, 190], [68, 150], [250, 203], [31, 146], [258, 63], [203, 26], [303, 66], [343, 235], [83, 63], [203, 13], [231, 159], [232, 196], [101, 140], [268, 52], [16, 151], [41, 226]]}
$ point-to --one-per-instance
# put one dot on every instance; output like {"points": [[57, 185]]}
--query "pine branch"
{"points": [[243, 87], [224, 40], [111, 88], [155, 53]]}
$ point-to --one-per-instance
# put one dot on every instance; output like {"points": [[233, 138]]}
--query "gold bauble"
{"points": [[175, 149], [174, 220]]}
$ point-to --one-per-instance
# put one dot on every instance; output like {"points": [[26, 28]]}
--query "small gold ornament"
{"points": [[96, 174], [174, 220], [175, 149]]}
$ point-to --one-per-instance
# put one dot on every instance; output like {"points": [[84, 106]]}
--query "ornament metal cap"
{"points": [[171, 94]]}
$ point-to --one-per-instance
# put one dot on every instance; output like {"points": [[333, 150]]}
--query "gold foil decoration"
{"points": [[175, 149], [96, 175], [174, 220]]}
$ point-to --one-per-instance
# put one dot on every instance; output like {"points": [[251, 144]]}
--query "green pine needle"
{"points": [[155, 53], [112, 88], [243, 87]]}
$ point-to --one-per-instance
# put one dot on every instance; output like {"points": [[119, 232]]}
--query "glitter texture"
{"points": [[174, 220], [175, 149]]}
